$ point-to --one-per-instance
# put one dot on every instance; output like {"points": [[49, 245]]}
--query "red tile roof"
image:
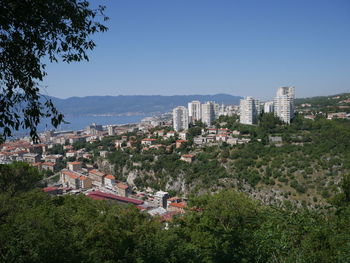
{"points": [[109, 176], [178, 205], [70, 174], [98, 195], [49, 189], [122, 186]]}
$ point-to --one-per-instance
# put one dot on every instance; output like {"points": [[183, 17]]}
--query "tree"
{"points": [[32, 32], [18, 177]]}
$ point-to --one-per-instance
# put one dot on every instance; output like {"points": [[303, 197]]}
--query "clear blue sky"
{"points": [[246, 48]]}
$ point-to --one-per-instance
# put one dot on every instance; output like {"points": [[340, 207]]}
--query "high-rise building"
{"points": [[268, 106], [110, 130], [208, 113], [249, 110], [180, 118], [284, 103], [194, 111], [216, 110]]}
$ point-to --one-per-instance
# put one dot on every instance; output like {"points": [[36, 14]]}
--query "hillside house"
{"points": [[109, 181], [187, 158], [74, 166]]}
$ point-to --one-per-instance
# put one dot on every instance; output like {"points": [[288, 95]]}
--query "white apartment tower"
{"points": [[180, 118], [268, 106], [208, 113], [284, 103], [194, 111], [249, 110]]}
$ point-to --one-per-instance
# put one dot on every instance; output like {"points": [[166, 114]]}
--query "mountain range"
{"points": [[133, 104]]}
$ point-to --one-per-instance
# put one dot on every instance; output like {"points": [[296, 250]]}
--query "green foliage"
{"points": [[224, 227], [18, 177], [32, 31], [56, 149]]}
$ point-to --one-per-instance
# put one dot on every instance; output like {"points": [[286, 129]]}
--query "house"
{"points": [[123, 189], [170, 134], [148, 141], [337, 115], [159, 133], [210, 138], [74, 166], [87, 155], [221, 137], [223, 131], [31, 157], [53, 158], [71, 153], [74, 139], [199, 140], [212, 130], [183, 135], [109, 181], [48, 166], [310, 117], [96, 177], [232, 141], [70, 179], [85, 182], [236, 132], [187, 158], [180, 143], [67, 147], [177, 207]]}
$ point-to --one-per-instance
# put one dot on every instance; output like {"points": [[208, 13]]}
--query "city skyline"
{"points": [[202, 47]]}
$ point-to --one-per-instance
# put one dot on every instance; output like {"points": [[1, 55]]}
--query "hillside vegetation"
{"points": [[224, 227]]}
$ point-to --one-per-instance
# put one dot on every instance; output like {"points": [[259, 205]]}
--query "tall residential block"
{"points": [[268, 106], [208, 113], [194, 111], [249, 110], [180, 118], [284, 103]]}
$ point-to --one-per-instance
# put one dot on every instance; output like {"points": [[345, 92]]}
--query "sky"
{"points": [[238, 47]]}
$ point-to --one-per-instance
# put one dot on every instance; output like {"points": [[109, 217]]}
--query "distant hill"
{"points": [[133, 104]]}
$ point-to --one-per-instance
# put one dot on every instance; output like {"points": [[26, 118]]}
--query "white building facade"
{"points": [[268, 107], [249, 110], [194, 111], [180, 118], [208, 113], [284, 103]]}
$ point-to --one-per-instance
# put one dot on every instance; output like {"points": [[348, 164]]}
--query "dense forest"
{"points": [[224, 227]]}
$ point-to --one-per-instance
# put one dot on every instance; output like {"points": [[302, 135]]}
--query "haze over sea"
{"points": [[80, 122]]}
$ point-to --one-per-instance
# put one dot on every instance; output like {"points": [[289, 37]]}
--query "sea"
{"points": [[81, 122]]}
